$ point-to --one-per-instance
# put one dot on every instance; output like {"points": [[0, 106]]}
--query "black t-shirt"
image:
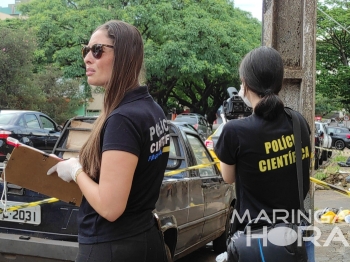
{"points": [[137, 126], [264, 155]]}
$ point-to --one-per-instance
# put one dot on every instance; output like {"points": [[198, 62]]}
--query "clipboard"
{"points": [[27, 167]]}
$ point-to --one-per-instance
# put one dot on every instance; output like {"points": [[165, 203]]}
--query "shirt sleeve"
{"points": [[121, 134], [227, 145]]}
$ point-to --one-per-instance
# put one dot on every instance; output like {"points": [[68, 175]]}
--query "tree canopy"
{"points": [[192, 48], [332, 52]]}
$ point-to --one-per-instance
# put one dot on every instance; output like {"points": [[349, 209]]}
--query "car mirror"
{"points": [[331, 134]]}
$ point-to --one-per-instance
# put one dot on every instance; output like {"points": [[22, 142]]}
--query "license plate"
{"points": [[29, 215]]}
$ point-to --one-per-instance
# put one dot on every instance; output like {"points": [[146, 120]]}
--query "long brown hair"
{"points": [[127, 64]]}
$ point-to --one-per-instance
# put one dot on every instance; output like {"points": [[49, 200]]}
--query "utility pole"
{"points": [[289, 26]]}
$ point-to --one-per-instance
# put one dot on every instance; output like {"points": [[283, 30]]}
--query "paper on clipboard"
{"points": [[27, 167]]}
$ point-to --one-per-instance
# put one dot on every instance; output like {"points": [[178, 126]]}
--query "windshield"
{"points": [[190, 120]]}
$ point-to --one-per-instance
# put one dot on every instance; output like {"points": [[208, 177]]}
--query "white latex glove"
{"points": [[66, 169]]}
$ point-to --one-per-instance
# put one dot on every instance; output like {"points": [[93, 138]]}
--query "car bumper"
{"points": [[34, 249]]}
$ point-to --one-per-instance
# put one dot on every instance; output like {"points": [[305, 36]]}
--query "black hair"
{"points": [[261, 71]]}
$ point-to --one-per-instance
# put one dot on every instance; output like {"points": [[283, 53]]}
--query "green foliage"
{"points": [[44, 91], [62, 96], [333, 50], [339, 158], [321, 176], [192, 48], [324, 104], [16, 54]]}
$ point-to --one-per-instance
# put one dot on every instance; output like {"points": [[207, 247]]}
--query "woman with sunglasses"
{"points": [[121, 167]]}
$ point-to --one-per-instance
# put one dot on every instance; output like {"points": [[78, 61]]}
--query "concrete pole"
{"points": [[289, 26]]}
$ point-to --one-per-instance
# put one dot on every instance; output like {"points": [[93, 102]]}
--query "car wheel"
{"points": [[320, 159], [329, 154], [220, 244], [339, 144], [316, 161], [324, 155]]}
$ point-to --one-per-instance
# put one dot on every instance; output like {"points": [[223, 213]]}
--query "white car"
{"points": [[327, 139]]}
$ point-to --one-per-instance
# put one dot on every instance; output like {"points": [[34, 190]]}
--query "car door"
{"points": [[36, 134], [174, 193], [52, 133], [213, 187]]}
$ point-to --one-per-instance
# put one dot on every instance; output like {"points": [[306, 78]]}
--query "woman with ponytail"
{"points": [[257, 152]]}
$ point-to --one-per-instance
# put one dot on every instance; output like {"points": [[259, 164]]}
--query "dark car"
{"points": [[194, 205], [29, 127], [197, 121], [340, 137]]}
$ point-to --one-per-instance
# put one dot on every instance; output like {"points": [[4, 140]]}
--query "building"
{"points": [[11, 10]]}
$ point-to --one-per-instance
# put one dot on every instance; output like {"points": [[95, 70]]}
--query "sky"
{"points": [[5, 3], [253, 6]]}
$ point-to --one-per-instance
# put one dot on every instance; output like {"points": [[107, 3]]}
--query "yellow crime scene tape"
{"points": [[171, 173], [52, 200], [330, 186], [327, 149], [32, 204]]}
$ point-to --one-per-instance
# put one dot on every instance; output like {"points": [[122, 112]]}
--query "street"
{"points": [[204, 254]]}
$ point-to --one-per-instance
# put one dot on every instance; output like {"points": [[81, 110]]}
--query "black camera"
{"points": [[234, 107]]}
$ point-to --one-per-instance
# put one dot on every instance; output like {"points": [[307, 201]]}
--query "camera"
{"points": [[234, 107]]}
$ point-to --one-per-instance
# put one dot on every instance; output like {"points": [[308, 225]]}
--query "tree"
{"points": [[332, 51], [45, 91], [62, 96], [192, 48], [16, 55]]}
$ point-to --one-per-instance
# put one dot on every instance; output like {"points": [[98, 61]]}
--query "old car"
{"points": [[198, 121], [194, 205], [32, 128]]}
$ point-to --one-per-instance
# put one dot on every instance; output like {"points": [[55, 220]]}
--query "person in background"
{"points": [[247, 147], [121, 166]]}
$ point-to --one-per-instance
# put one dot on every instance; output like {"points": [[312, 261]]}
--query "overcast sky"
{"points": [[253, 6]]}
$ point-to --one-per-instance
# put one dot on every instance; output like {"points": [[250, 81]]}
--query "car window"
{"points": [[174, 154], [31, 121], [201, 155], [22, 122], [188, 119], [5, 119], [47, 123], [172, 151], [218, 131]]}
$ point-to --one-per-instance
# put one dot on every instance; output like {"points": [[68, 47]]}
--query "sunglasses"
{"points": [[96, 50]]}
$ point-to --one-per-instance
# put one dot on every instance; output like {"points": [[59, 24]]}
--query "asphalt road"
{"points": [[204, 254]]}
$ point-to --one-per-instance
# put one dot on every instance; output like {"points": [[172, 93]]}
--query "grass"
{"points": [[332, 166], [321, 176]]}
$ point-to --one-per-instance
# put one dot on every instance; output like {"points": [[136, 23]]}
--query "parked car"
{"points": [[340, 137], [326, 139], [194, 205], [198, 121], [29, 127]]}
